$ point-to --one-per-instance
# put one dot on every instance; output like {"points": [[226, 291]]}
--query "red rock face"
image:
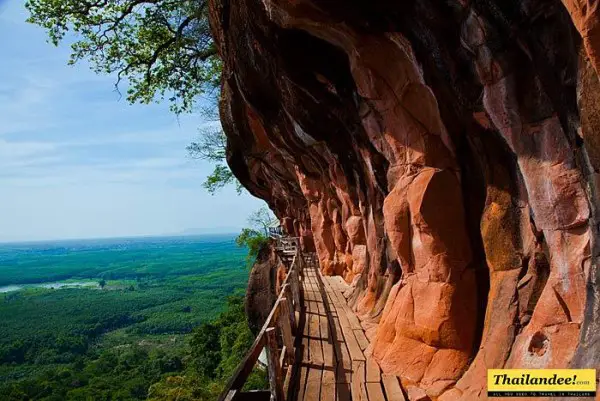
{"points": [[264, 285], [442, 158]]}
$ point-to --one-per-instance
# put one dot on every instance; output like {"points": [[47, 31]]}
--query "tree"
{"points": [[102, 283], [253, 240], [163, 48], [262, 218], [206, 349], [255, 237], [211, 147]]}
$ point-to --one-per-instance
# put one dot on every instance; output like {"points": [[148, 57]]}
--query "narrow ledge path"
{"points": [[331, 345], [316, 347]]}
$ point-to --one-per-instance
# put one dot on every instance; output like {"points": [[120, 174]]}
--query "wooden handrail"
{"points": [[288, 243], [281, 321]]}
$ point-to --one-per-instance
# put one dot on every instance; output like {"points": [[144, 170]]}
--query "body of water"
{"points": [[54, 285]]}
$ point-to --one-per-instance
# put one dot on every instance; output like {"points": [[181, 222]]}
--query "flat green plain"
{"points": [[108, 342]]}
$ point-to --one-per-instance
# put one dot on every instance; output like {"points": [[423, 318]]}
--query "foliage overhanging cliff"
{"points": [[442, 157]]}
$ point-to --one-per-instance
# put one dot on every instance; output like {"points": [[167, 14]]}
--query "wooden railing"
{"points": [[287, 247], [276, 232], [279, 329]]}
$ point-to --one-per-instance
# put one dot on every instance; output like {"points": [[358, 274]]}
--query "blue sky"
{"points": [[78, 162]]}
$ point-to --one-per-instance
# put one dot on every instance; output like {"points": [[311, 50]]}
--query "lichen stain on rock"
{"points": [[441, 157]]}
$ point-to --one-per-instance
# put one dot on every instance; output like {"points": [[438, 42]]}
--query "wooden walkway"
{"points": [[331, 346], [316, 346]]}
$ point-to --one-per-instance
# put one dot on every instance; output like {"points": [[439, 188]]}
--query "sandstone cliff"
{"points": [[442, 157]]}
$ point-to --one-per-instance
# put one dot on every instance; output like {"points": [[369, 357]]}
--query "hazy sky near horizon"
{"points": [[78, 162]]}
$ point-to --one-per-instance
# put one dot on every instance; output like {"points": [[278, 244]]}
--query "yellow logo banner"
{"points": [[541, 382]]}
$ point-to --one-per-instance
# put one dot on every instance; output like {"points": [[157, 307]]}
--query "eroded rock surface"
{"points": [[443, 158], [266, 276]]}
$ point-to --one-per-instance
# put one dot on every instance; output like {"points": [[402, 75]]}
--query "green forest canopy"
{"points": [[161, 327], [163, 48]]}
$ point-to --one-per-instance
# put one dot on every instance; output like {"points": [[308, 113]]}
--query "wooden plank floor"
{"points": [[331, 344]]}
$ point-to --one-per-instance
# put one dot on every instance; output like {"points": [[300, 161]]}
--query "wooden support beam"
{"points": [[313, 385], [363, 343], [295, 287], [373, 371], [374, 391], [289, 307], [316, 349], [328, 386], [393, 391], [231, 395], [301, 390], [282, 356], [275, 379], [286, 329]]}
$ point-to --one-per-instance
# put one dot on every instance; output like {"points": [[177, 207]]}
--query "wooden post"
{"points": [[295, 286], [275, 379], [286, 330], [289, 307], [303, 267], [299, 271]]}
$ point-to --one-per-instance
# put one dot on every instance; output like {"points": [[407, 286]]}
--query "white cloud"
{"points": [[114, 210], [76, 162], [17, 150]]}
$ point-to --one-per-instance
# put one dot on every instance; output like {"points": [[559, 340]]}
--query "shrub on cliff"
{"points": [[253, 240], [256, 237]]}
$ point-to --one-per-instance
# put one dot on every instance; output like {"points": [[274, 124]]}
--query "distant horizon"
{"points": [[233, 232]]}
